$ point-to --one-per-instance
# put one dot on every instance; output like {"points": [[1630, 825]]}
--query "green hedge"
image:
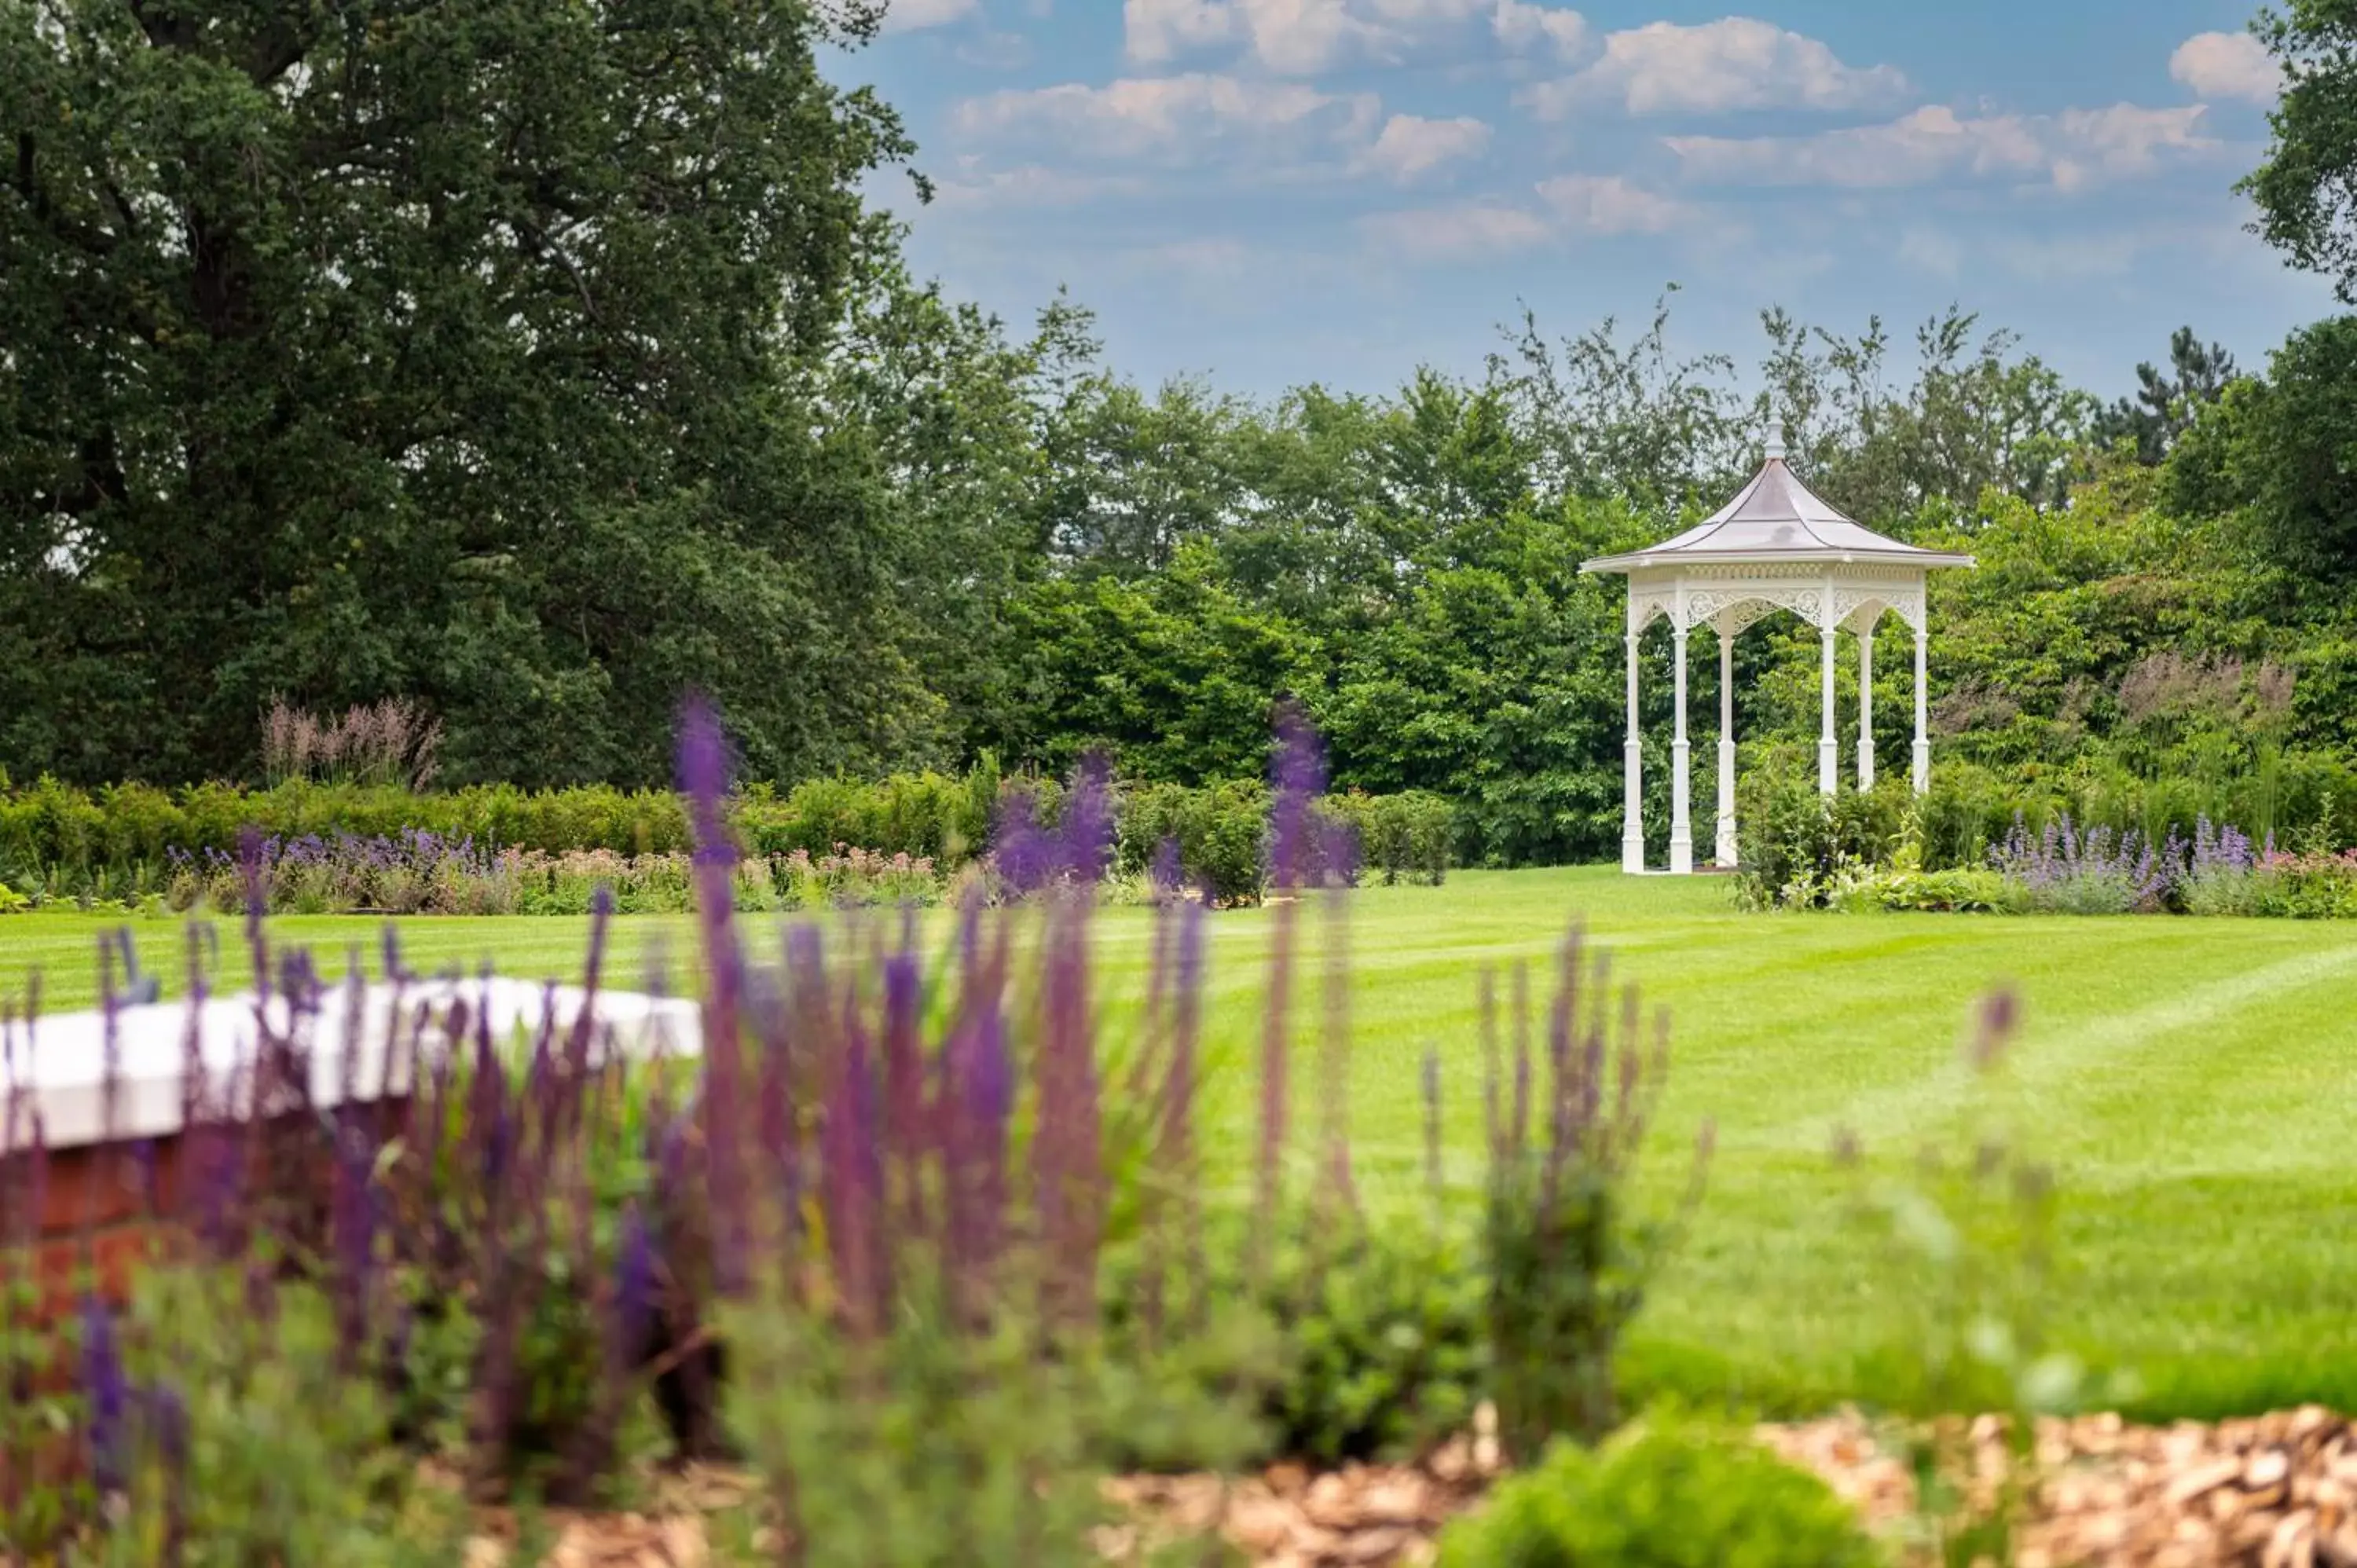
{"points": [[61, 842]]}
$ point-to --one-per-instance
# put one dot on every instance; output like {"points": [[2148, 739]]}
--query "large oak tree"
{"points": [[481, 350]]}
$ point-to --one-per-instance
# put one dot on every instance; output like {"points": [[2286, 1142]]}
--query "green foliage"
{"points": [[1795, 843], [1220, 832], [1967, 1245], [1960, 890], [2302, 188], [280, 1455], [1409, 836], [1174, 677], [1667, 1492], [1567, 1250], [1355, 1342], [826, 843], [2166, 403], [930, 814], [539, 461], [2280, 451], [940, 1442], [1386, 1344]]}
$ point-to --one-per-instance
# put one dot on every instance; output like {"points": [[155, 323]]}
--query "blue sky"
{"points": [[1270, 192]]}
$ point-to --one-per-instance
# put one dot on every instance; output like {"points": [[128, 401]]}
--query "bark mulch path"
{"points": [[2275, 1491]]}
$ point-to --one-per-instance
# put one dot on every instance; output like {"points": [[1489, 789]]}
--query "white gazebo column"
{"points": [[1680, 803], [1922, 709], [1828, 749], [1726, 744], [1866, 705], [1632, 765]]}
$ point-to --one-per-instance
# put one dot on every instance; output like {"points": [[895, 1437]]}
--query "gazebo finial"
{"points": [[1775, 452]]}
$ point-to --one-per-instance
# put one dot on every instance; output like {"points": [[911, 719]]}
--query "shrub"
{"points": [[222, 1433], [351, 847], [1362, 1342], [1963, 890], [1218, 831], [1966, 809], [1384, 1341], [2305, 887], [1667, 1492], [1567, 1258], [1408, 836], [1794, 842]]}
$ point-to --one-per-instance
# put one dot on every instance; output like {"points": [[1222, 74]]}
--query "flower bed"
{"points": [[923, 1247], [417, 872], [2065, 870]]}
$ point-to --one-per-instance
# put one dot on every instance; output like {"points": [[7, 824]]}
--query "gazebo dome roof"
{"points": [[1776, 519]]}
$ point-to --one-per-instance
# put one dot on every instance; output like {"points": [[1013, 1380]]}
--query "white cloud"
{"points": [[1175, 118], [1028, 186], [1521, 25], [1469, 230], [1607, 204], [1156, 30], [1735, 63], [909, 15], [2121, 142], [1296, 37], [2227, 65], [2070, 150], [1574, 206], [1411, 145]]}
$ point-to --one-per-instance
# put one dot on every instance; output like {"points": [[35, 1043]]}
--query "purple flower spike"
{"points": [[854, 1181], [703, 780], [904, 1083], [634, 1281], [1021, 848], [1168, 871], [1088, 821], [2000, 1014], [1298, 772], [108, 1391]]}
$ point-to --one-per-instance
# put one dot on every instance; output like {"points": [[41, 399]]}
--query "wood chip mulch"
{"points": [[2275, 1491]]}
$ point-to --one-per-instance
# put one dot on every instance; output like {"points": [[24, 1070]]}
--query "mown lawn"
{"points": [[2193, 1080]]}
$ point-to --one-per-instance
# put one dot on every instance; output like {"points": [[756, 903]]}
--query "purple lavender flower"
{"points": [[634, 1279], [703, 780], [354, 1221], [1088, 834], [1297, 774], [1020, 848], [853, 1186], [107, 1390]]}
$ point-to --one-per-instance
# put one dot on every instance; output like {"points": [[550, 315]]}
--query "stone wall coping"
{"points": [[57, 1067]]}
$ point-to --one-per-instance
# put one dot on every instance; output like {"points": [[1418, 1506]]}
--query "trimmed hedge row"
{"points": [[120, 841]]}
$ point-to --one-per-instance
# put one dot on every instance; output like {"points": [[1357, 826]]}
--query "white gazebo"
{"points": [[1777, 546]]}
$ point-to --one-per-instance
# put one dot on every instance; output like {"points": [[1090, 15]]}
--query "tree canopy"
{"points": [[537, 363]]}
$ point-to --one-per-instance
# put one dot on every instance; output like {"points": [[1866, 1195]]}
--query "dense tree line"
{"points": [[537, 363]]}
